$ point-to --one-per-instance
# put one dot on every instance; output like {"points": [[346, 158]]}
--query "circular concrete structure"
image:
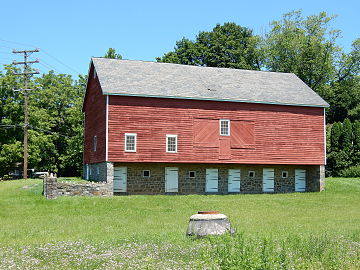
{"points": [[208, 223]]}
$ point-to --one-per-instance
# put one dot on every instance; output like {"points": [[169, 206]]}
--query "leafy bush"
{"points": [[353, 171]]}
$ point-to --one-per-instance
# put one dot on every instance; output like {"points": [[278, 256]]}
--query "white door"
{"points": [[120, 179], [234, 180], [212, 179], [300, 180], [268, 179], [171, 179]]}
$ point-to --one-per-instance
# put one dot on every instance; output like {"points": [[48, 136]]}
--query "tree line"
{"points": [[306, 46]]}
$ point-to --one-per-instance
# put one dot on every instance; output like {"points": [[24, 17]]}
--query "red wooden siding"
{"points": [[206, 132], [242, 134], [95, 121], [260, 133]]}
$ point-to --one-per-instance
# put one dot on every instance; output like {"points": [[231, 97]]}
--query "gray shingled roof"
{"points": [[151, 79]]}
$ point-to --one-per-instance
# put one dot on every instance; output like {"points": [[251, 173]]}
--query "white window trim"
{"points": [[176, 143], [135, 141], [224, 120], [95, 143]]}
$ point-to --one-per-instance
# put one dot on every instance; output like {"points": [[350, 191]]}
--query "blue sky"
{"points": [[68, 33]]}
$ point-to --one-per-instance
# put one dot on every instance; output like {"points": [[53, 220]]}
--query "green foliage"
{"points": [[306, 47], [55, 123], [344, 150], [356, 142], [228, 45], [346, 136], [353, 171], [336, 131], [111, 53]]}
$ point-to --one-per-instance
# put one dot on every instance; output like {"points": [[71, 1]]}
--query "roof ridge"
{"points": [[193, 66]]}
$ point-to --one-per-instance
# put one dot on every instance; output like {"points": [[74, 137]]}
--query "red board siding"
{"points": [[269, 134], [95, 121]]}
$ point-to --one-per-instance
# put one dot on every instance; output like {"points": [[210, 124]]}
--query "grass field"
{"points": [[274, 231]]}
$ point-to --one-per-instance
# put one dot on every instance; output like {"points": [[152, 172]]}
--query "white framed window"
{"points": [[94, 73], [284, 174], [192, 174], [95, 143], [251, 174], [146, 173], [171, 143], [130, 142], [224, 127]]}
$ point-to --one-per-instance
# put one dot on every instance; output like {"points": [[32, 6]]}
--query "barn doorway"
{"points": [[300, 180], [234, 182], [268, 179], [212, 179], [120, 179], [171, 179]]}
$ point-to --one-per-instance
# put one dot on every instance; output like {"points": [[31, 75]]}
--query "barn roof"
{"points": [[165, 80]]}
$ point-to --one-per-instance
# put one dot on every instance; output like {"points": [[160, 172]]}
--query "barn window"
{"points": [[94, 73], [146, 173], [284, 174], [171, 143], [97, 170], [130, 142], [192, 174], [224, 127], [95, 143], [251, 174]]}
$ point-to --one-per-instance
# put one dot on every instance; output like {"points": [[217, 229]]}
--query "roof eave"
{"points": [[213, 99]]}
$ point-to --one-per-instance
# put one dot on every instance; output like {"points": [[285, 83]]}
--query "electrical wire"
{"points": [[44, 51]]}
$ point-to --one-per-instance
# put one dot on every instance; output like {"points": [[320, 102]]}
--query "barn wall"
{"points": [[95, 121], [260, 133]]}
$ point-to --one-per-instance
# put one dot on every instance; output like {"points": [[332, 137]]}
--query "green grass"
{"points": [[287, 221]]}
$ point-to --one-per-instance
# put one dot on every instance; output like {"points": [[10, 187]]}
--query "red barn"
{"points": [[157, 128]]}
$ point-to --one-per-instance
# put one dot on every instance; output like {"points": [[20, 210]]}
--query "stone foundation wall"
{"points": [[54, 189], [99, 172], [155, 184]]}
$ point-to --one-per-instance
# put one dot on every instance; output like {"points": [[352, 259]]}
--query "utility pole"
{"points": [[26, 73]]}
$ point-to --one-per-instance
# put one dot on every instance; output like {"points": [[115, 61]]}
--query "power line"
{"points": [[44, 51]]}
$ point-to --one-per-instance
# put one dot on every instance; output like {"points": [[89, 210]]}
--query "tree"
{"points": [[346, 137], [306, 47], [228, 45], [111, 53], [344, 94], [335, 137], [356, 142]]}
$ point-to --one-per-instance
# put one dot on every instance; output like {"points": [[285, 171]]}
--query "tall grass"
{"points": [[291, 252]]}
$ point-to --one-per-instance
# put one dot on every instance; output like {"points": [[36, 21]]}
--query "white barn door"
{"points": [[212, 180], [120, 179], [268, 179], [300, 180], [234, 176], [171, 179]]}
